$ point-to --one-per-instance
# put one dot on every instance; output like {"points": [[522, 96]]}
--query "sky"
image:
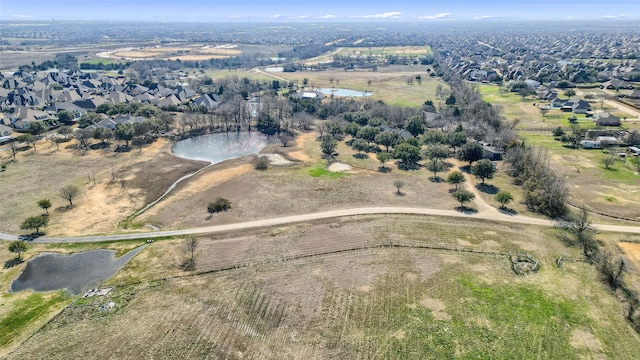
{"points": [[317, 10]]}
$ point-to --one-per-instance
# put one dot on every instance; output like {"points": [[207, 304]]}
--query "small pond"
{"points": [[76, 272], [343, 92], [274, 69], [215, 148]]}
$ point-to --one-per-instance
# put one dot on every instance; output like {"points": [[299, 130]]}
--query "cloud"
{"points": [[275, 16], [436, 16], [387, 15], [328, 16], [18, 16], [485, 17], [614, 16], [303, 17]]}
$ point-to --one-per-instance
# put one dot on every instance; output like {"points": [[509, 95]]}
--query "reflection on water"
{"points": [[216, 148], [76, 272], [343, 92]]}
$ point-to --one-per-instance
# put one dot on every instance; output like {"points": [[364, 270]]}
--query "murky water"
{"points": [[219, 147], [76, 272]]}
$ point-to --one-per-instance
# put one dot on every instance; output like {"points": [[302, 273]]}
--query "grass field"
{"points": [[375, 51], [389, 86], [612, 191], [287, 300], [98, 61]]}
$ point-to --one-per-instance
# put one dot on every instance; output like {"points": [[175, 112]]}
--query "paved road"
{"points": [[317, 216]]}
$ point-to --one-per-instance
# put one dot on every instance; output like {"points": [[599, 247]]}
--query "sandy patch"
{"points": [[437, 308], [632, 251], [581, 339], [276, 159], [365, 288], [301, 142], [339, 167], [201, 183]]}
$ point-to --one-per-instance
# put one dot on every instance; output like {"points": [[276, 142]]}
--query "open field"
{"points": [[289, 297], [374, 51], [124, 183], [184, 52], [611, 191], [389, 85]]}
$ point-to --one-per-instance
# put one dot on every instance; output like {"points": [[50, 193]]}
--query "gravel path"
{"points": [[323, 215]]}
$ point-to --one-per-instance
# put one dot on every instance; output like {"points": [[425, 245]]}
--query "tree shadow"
{"points": [[465, 169], [466, 210], [13, 262], [361, 156], [488, 188], [99, 146], [399, 193], [508, 211], [122, 149], [436, 179], [407, 167], [384, 169]]}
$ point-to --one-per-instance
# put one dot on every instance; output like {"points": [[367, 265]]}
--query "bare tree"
{"points": [[189, 247], [69, 193], [11, 149]]}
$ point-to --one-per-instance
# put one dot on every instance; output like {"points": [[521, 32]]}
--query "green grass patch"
{"points": [[322, 172], [28, 310], [98, 61]]}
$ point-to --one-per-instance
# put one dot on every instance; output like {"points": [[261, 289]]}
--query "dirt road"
{"points": [[318, 216]]}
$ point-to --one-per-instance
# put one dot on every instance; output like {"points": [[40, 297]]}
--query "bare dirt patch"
{"points": [[582, 339], [437, 308], [632, 251]]}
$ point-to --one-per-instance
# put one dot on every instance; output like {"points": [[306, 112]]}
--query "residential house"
{"points": [[576, 106], [5, 130], [606, 119]]}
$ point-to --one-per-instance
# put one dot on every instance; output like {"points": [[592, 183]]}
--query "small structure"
{"points": [[607, 140], [313, 95], [634, 150], [590, 144], [491, 153]]}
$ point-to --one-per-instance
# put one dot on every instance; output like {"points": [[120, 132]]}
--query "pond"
{"points": [[76, 272], [215, 148], [343, 92]]}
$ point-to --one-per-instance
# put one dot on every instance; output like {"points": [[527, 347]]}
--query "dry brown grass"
{"points": [[139, 178], [340, 305], [181, 52]]}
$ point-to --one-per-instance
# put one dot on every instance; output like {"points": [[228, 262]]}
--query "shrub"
{"points": [[221, 204]]}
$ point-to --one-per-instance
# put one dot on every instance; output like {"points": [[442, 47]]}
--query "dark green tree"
{"points": [[463, 196], [504, 197], [18, 246], [383, 157], [470, 152], [456, 139], [407, 153], [125, 132], [368, 133], [484, 169], [360, 145], [388, 139], [414, 125], [328, 144], [37, 128], [35, 222], [456, 178], [45, 204], [65, 116]]}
